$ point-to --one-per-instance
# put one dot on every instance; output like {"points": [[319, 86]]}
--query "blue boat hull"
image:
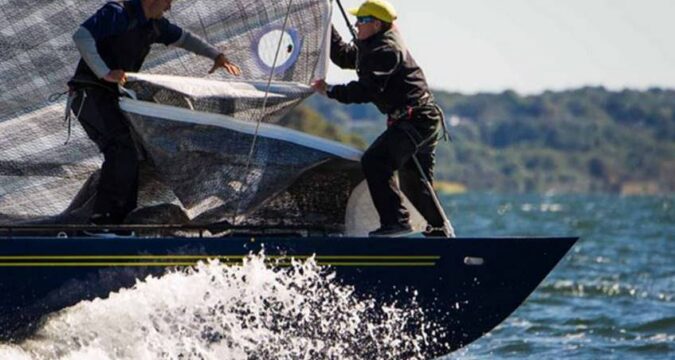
{"points": [[468, 286]]}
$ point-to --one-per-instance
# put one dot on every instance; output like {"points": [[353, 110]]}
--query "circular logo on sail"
{"points": [[286, 41]]}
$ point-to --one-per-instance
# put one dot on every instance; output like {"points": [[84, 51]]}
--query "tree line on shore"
{"points": [[583, 140]]}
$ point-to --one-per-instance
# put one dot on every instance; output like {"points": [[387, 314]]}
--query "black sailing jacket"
{"points": [[389, 77]]}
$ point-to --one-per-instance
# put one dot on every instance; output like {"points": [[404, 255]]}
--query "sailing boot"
{"points": [[102, 221]]}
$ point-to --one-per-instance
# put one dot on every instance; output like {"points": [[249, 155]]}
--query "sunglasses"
{"points": [[364, 19]]}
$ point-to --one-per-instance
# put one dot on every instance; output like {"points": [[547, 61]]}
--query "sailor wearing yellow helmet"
{"points": [[389, 77]]}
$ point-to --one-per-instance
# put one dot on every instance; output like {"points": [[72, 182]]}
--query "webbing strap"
{"points": [[68, 116]]}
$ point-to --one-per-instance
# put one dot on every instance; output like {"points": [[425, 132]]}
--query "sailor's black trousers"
{"points": [[393, 151], [98, 111]]}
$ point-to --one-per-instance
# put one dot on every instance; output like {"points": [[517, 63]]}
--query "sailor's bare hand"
{"points": [[116, 76], [222, 62], [320, 86]]}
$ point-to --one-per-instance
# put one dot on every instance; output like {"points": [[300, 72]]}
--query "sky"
{"points": [[530, 46]]}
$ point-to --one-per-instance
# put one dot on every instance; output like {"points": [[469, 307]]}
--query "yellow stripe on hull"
{"points": [[199, 257], [182, 264], [191, 260]]}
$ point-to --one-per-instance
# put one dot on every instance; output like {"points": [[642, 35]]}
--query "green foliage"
{"points": [[583, 140], [307, 120]]}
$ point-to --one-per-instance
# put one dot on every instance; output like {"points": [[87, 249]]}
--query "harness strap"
{"points": [[68, 119], [69, 102], [410, 112]]}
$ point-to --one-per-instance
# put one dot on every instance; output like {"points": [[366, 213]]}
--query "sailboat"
{"points": [[222, 172]]}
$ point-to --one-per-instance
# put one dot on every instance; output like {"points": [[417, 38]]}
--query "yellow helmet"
{"points": [[379, 9]]}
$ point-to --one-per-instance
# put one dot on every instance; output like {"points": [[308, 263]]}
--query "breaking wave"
{"points": [[212, 311]]}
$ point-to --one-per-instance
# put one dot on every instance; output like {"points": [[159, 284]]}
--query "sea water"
{"points": [[612, 297]]}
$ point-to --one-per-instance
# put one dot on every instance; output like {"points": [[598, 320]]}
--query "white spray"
{"points": [[212, 311]]}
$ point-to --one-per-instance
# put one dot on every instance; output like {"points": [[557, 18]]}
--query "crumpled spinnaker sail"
{"points": [[206, 158], [40, 176]]}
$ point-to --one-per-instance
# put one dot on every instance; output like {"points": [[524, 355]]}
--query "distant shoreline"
{"points": [[583, 141]]}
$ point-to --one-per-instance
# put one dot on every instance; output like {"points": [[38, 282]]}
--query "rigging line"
{"points": [[262, 112], [344, 15]]}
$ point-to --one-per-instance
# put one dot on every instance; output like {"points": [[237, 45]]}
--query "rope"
{"points": [[67, 119], [446, 136], [55, 97], [262, 113]]}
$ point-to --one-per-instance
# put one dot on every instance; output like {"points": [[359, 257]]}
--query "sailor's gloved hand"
{"points": [[222, 62], [320, 86], [116, 76]]}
